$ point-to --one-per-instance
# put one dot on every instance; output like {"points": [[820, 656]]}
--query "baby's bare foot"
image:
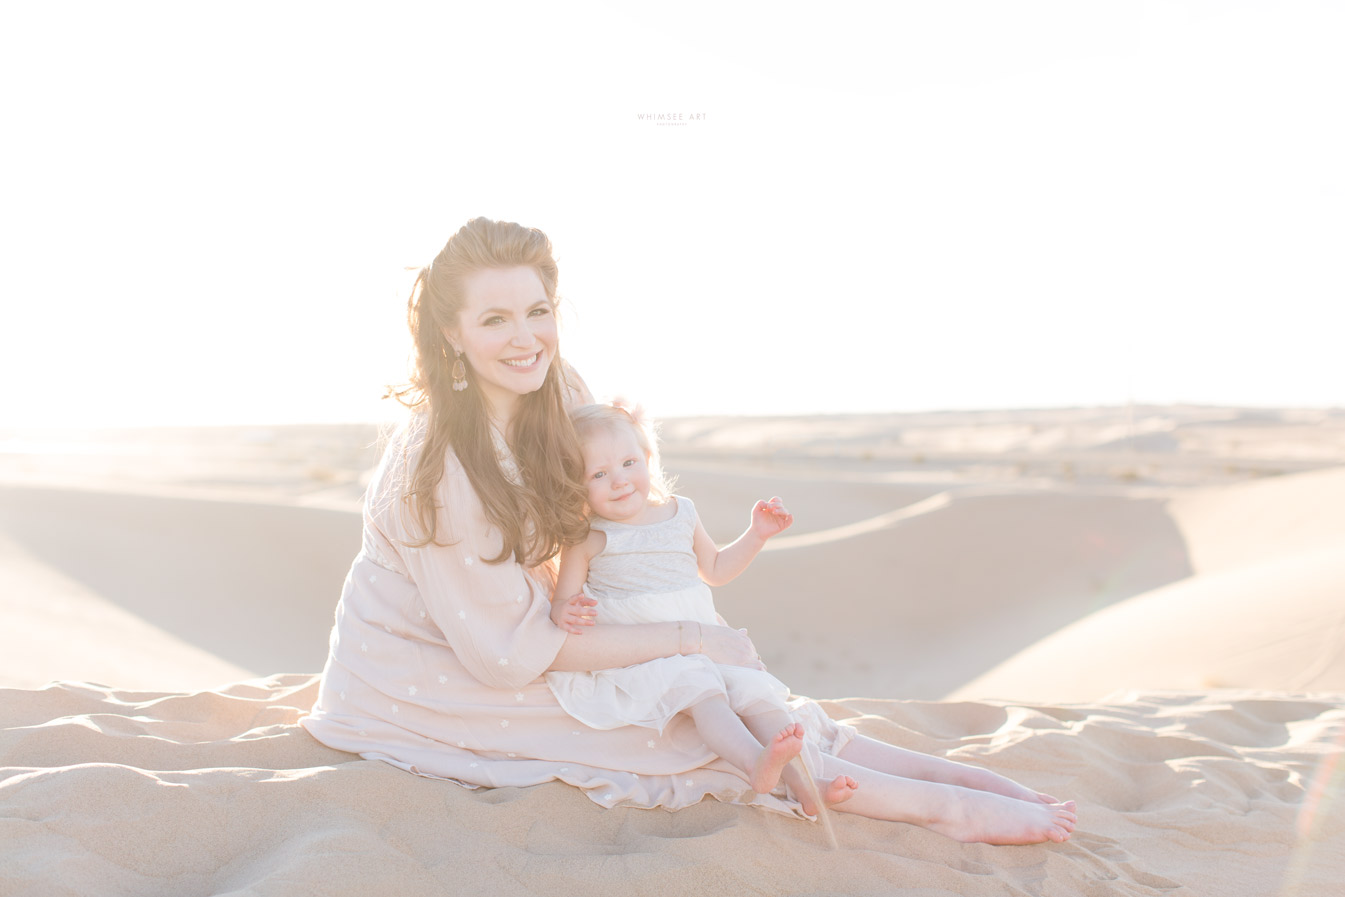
{"points": [[840, 790], [982, 816], [785, 746]]}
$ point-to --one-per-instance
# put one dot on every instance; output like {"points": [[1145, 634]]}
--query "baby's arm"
{"points": [[570, 607], [720, 565]]}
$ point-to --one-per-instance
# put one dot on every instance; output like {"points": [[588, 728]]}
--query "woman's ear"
{"points": [[451, 335]]}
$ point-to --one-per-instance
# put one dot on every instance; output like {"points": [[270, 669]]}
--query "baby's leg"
{"points": [[807, 792], [726, 735]]}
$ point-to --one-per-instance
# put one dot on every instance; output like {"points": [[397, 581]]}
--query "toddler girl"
{"points": [[648, 559]]}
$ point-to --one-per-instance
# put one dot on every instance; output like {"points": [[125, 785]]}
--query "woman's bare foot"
{"points": [[987, 817], [841, 789], [785, 746]]}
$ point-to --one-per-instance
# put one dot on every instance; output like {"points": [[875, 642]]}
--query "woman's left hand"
{"points": [[730, 647]]}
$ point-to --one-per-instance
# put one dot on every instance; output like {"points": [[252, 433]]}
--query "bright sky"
{"points": [[207, 208]]}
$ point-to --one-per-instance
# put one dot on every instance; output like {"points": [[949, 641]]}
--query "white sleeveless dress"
{"points": [[648, 574]]}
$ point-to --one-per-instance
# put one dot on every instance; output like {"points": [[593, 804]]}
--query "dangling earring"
{"points": [[459, 371]]}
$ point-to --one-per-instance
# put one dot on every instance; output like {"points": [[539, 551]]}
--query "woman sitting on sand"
{"points": [[443, 631]]}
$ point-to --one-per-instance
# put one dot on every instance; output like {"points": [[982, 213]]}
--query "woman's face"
{"points": [[506, 332]]}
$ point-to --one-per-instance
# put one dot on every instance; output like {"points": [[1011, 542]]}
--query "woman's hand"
{"points": [[574, 614], [730, 647]]}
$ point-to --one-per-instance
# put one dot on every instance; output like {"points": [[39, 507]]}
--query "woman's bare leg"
{"points": [[961, 813], [725, 733], [893, 760]]}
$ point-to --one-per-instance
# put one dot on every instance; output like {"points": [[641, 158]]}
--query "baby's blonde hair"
{"points": [[613, 418]]}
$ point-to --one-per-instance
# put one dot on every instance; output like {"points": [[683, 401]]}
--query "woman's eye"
{"points": [[493, 320], [539, 311]]}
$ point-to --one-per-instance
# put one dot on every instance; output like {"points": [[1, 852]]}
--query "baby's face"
{"points": [[617, 473]]}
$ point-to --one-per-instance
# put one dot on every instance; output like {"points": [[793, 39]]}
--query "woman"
{"points": [[443, 631]]}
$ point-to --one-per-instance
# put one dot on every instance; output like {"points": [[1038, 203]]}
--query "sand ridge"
{"points": [[221, 792], [1263, 606]]}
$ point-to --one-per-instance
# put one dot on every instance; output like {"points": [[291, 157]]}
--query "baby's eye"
{"points": [[599, 475], [628, 462]]}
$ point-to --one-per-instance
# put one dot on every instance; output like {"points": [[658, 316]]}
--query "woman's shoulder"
{"points": [[573, 387], [392, 478], [407, 443]]}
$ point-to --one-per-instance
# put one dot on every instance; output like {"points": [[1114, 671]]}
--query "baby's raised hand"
{"points": [[770, 518], [575, 613]]}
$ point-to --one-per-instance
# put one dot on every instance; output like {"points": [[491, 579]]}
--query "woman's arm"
{"points": [[494, 617], [622, 644]]}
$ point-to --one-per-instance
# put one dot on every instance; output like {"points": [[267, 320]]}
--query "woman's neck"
{"points": [[500, 410]]}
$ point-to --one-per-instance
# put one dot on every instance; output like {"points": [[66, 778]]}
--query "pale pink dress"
{"points": [[437, 658]]}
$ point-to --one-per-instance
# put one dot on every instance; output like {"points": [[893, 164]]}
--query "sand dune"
{"points": [[1263, 608], [1212, 631], [936, 593], [1058, 560], [927, 602], [1245, 524], [251, 586], [57, 627], [221, 792], [879, 589]]}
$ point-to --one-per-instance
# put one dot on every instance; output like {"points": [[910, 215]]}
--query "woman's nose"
{"points": [[523, 337]]}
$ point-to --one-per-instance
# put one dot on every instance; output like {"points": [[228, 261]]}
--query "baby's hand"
{"points": [[572, 614], [770, 518]]}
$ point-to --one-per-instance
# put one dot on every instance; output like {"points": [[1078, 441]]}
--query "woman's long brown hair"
{"points": [[543, 512]]}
